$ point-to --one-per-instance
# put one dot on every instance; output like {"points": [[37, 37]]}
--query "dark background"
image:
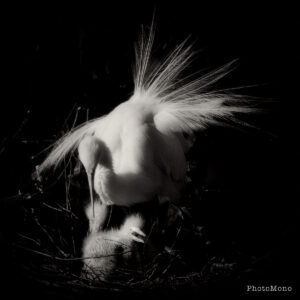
{"points": [[58, 58]]}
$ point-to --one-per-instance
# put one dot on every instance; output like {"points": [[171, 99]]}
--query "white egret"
{"points": [[136, 153]]}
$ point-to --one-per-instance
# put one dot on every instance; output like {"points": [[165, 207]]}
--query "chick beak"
{"points": [[91, 188]]}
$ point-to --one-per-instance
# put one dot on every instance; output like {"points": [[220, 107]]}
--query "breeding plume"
{"points": [[136, 153]]}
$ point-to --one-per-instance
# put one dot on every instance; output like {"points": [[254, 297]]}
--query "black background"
{"points": [[57, 57]]}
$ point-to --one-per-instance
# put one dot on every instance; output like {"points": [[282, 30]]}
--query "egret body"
{"points": [[136, 153]]}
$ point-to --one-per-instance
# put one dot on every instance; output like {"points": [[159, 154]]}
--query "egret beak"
{"points": [[91, 188]]}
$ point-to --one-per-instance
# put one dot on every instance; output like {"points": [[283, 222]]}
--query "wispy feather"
{"points": [[177, 103]]}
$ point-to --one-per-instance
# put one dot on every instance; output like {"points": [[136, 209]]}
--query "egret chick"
{"points": [[101, 251]]}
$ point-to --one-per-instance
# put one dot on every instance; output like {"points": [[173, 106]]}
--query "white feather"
{"points": [[68, 144], [143, 136], [182, 104], [100, 249]]}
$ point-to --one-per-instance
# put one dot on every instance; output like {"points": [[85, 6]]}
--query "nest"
{"points": [[50, 226], [47, 247]]}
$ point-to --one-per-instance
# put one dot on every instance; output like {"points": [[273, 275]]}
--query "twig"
{"points": [[48, 235], [69, 115], [52, 207], [30, 239], [17, 132], [60, 209], [69, 259]]}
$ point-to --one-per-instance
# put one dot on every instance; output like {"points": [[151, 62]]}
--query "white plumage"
{"points": [[104, 249], [137, 151]]}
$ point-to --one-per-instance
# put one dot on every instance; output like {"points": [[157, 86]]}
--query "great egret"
{"points": [[136, 153]]}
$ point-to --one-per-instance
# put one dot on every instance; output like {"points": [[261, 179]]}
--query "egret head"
{"points": [[89, 151], [92, 151]]}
